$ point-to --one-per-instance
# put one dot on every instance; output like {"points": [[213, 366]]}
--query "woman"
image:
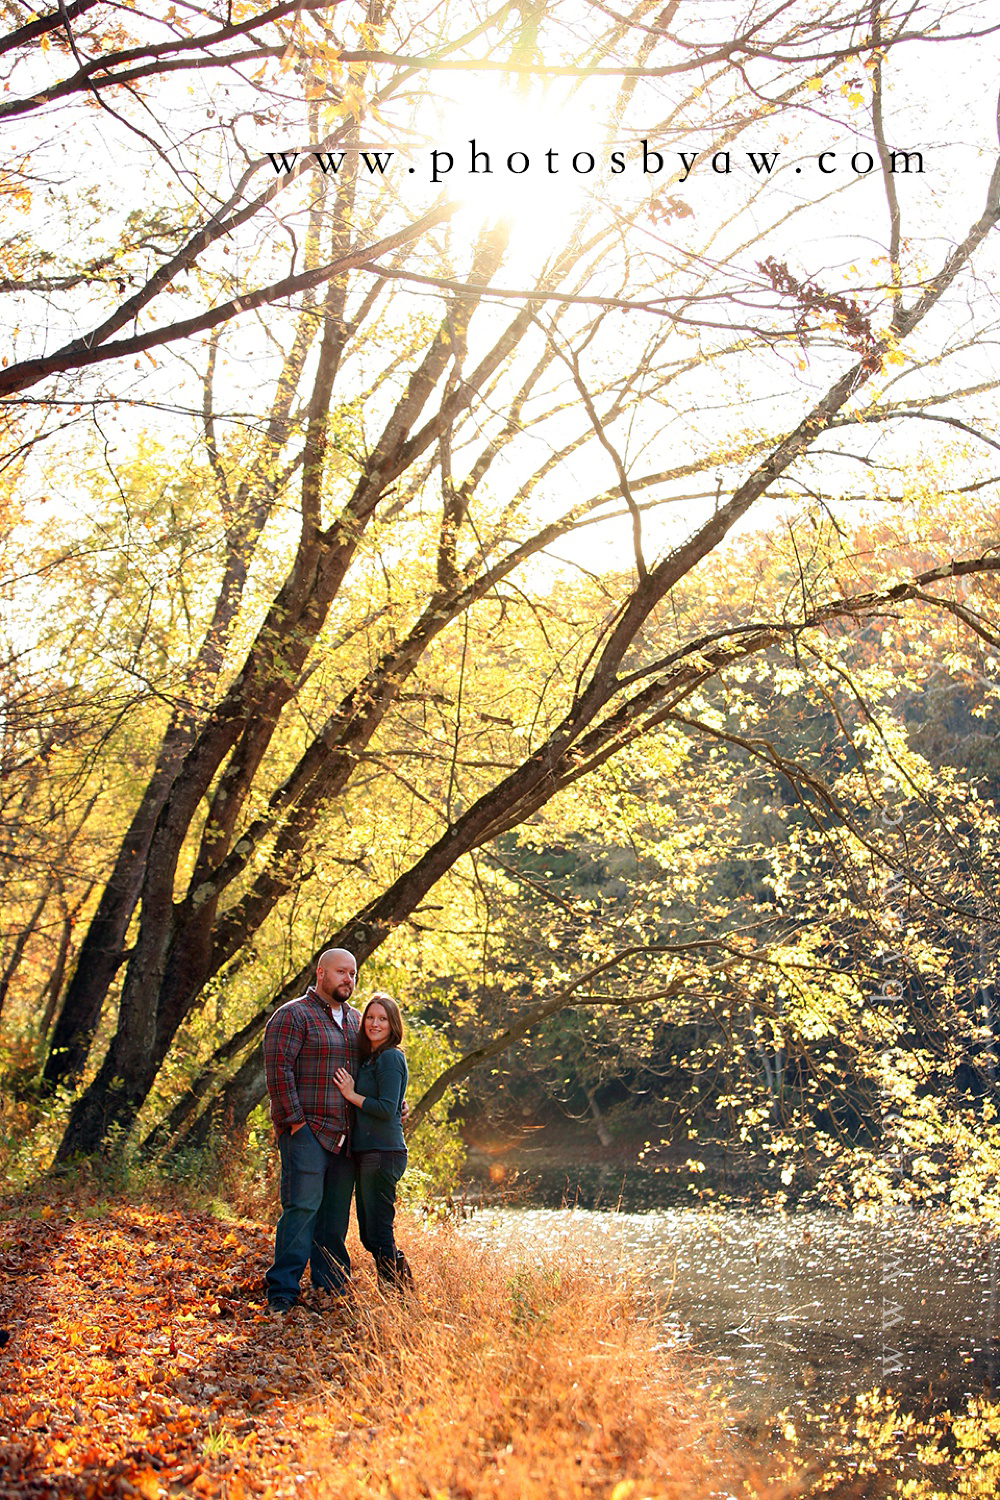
{"points": [[377, 1142]]}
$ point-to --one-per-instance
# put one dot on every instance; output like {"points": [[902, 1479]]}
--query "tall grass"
{"points": [[498, 1378], [495, 1376]]}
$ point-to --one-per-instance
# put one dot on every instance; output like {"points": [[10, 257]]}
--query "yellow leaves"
{"points": [[95, 1381], [17, 195], [814, 85], [851, 93], [788, 682], [979, 1429], [353, 103]]}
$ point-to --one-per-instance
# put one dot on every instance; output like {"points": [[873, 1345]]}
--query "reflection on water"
{"points": [[800, 1309]]}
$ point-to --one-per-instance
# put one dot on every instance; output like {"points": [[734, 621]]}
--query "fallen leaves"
{"points": [[147, 1368], [136, 1358]]}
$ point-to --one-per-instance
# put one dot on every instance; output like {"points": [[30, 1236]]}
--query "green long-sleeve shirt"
{"points": [[382, 1081]]}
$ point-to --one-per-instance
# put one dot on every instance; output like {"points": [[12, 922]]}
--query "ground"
{"points": [[139, 1358]]}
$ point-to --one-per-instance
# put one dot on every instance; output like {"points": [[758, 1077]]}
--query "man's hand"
{"points": [[404, 1113], [293, 1128]]}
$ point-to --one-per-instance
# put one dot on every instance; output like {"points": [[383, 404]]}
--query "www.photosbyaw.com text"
{"points": [[471, 160]]}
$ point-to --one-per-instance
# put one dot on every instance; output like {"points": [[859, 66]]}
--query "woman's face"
{"points": [[376, 1024]]}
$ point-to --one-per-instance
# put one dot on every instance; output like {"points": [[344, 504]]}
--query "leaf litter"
{"points": [[137, 1357]]}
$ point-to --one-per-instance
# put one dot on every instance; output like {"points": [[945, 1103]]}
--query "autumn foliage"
{"points": [[139, 1360]]}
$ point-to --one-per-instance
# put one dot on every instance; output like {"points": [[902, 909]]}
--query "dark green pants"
{"points": [[375, 1197]]}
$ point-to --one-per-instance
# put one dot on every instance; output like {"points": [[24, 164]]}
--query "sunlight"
{"points": [[528, 156]]}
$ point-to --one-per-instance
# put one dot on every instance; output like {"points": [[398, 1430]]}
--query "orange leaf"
{"points": [[146, 1482]]}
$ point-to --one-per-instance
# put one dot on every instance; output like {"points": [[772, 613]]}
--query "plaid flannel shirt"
{"points": [[303, 1048]]}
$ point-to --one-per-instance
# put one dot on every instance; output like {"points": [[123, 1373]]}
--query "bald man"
{"points": [[305, 1042]]}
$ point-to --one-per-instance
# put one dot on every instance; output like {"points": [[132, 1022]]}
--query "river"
{"points": [[798, 1310]]}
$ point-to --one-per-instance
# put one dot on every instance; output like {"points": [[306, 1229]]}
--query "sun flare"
{"points": [[526, 155]]}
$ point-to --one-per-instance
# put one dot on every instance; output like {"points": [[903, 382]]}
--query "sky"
{"points": [[829, 226]]}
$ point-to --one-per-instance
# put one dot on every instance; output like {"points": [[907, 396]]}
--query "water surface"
{"points": [[797, 1310]]}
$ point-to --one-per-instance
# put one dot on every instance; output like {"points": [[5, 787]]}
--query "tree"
{"points": [[456, 444], [795, 961]]}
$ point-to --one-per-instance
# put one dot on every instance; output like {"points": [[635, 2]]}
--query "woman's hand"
{"points": [[345, 1083]]}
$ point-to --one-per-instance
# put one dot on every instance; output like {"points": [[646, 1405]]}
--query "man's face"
{"points": [[336, 978]]}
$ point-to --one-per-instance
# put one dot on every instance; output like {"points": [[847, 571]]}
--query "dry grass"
{"points": [[497, 1379]]}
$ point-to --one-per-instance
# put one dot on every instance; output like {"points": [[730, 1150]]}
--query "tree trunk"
{"points": [[49, 997], [172, 958], [229, 1110], [603, 1133], [103, 948]]}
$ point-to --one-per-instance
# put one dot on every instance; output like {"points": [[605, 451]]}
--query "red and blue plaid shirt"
{"points": [[303, 1048]]}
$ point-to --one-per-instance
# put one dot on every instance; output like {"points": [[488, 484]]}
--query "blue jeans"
{"points": [[316, 1188], [375, 1199]]}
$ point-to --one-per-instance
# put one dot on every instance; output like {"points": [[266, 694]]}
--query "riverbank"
{"points": [[139, 1361], [869, 1346]]}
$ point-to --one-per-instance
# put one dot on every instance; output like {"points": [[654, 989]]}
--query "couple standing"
{"points": [[320, 1059]]}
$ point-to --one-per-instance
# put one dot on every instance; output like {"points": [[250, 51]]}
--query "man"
{"points": [[305, 1042]]}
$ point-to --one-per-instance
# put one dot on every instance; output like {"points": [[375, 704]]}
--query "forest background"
{"points": [[575, 593]]}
